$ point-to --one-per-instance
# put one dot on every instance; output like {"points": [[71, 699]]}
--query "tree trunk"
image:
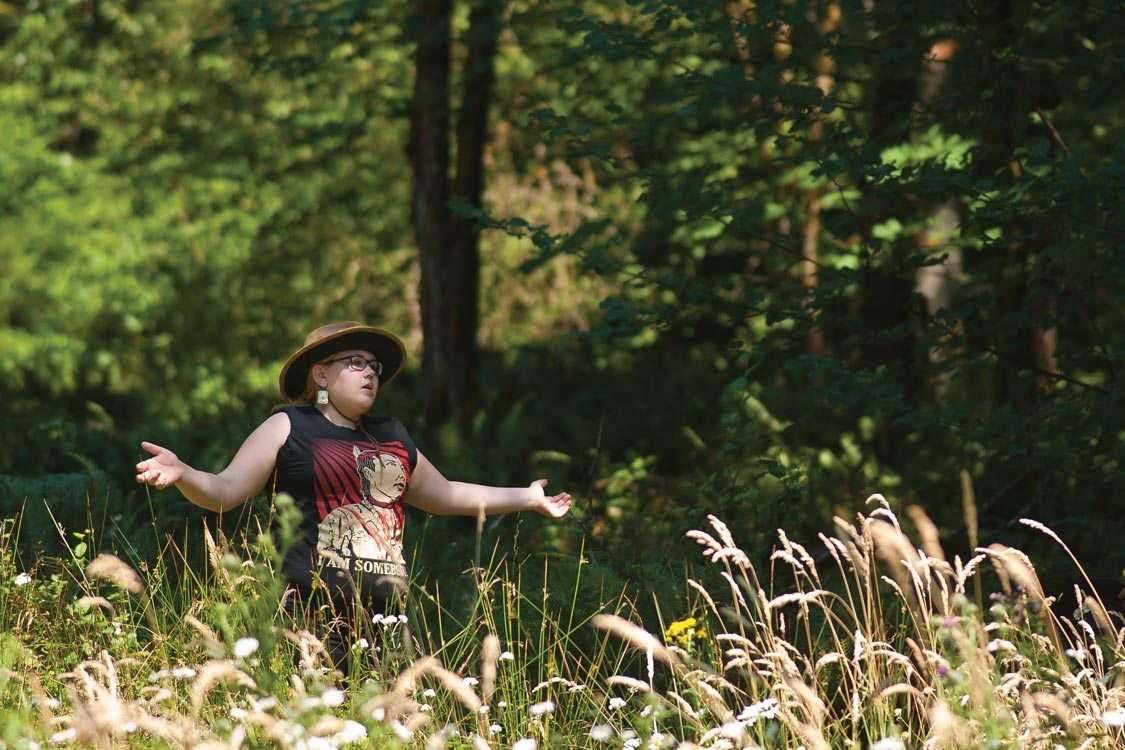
{"points": [[429, 157], [447, 244], [472, 135]]}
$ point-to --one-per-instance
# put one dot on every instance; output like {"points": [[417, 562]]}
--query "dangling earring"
{"points": [[322, 397]]}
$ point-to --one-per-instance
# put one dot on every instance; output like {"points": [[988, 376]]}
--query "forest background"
{"points": [[750, 259]]}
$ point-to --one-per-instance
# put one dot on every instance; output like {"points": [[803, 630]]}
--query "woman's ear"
{"points": [[319, 376]]}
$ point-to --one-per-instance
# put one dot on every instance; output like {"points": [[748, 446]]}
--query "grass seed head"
{"points": [[112, 568]]}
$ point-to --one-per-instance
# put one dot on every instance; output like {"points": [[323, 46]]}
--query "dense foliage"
{"points": [[751, 259]]}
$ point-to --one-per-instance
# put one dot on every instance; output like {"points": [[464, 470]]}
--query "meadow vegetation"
{"points": [[874, 637]]}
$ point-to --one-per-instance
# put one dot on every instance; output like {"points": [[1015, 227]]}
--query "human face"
{"points": [[352, 390]]}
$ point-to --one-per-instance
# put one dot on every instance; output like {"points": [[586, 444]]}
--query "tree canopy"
{"points": [[756, 259]]}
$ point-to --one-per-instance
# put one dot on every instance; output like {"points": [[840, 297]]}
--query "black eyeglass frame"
{"points": [[375, 365]]}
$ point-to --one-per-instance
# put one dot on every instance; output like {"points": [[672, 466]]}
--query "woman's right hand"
{"points": [[162, 470]]}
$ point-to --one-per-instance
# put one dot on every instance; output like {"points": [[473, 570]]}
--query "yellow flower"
{"points": [[685, 631]]}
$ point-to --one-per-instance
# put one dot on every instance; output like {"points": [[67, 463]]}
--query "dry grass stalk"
{"points": [[638, 637], [455, 684], [969, 509], [408, 680], [927, 532], [706, 597], [1108, 629], [113, 568], [1053, 705], [97, 601], [490, 655], [683, 706], [810, 730], [948, 730], [807, 559], [388, 706], [310, 647], [1101, 616], [1018, 568], [210, 640], [212, 673], [628, 682]]}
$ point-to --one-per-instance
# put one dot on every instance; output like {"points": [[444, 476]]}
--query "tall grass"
{"points": [[871, 639]]}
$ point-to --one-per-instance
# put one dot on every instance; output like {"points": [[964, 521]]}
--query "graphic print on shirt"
{"points": [[359, 502]]}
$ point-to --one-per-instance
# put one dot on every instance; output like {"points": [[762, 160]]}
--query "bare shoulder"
{"points": [[276, 426], [271, 434]]}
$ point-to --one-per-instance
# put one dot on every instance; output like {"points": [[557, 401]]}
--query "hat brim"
{"points": [[386, 347]]}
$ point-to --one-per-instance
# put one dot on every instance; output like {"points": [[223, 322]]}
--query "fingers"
{"points": [[559, 505], [152, 448], [539, 483]]}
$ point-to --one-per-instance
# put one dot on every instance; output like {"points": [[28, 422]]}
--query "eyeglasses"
{"points": [[359, 364]]}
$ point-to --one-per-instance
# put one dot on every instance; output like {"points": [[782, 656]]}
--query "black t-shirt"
{"points": [[349, 486]]}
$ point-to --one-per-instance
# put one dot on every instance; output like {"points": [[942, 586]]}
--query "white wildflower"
{"points": [[616, 703], [377, 619], [379, 714], [501, 704], [507, 656], [525, 744], [646, 711], [1078, 654], [470, 682], [732, 729], [1115, 718], [429, 693], [483, 710], [576, 688], [495, 729], [425, 708], [402, 619], [889, 743], [332, 697], [243, 647], [22, 579], [655, 741], [361, 644], [238, 713], [352, 731], [401, 730], [65, 735], [766, 709], [601, 732], [632, 743], [183, 673], [538, 709], [264, 704]]}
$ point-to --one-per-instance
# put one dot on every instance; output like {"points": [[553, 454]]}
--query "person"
{"points": [[348, 474]]}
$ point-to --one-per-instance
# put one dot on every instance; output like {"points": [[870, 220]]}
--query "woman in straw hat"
{"points": [[348, 474]]}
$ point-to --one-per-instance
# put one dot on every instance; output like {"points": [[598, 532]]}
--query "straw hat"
{"points": [[337, 337]]}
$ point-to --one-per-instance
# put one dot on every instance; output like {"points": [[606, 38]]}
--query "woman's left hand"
{"points": [[552, 506]]}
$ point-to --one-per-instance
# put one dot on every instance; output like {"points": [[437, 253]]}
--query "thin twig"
{"points": [[1055, 137]]}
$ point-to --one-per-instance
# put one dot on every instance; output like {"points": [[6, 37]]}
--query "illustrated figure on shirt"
{"points": [[370, 530]]}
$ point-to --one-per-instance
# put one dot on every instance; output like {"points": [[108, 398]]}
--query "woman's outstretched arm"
{"points": [[433, 493], [245, 476]]}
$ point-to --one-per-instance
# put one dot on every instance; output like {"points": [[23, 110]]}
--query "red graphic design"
{"points": [[358, 493]]}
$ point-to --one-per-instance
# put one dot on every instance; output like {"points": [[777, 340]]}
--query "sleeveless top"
{"points": [[349, 492]]}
